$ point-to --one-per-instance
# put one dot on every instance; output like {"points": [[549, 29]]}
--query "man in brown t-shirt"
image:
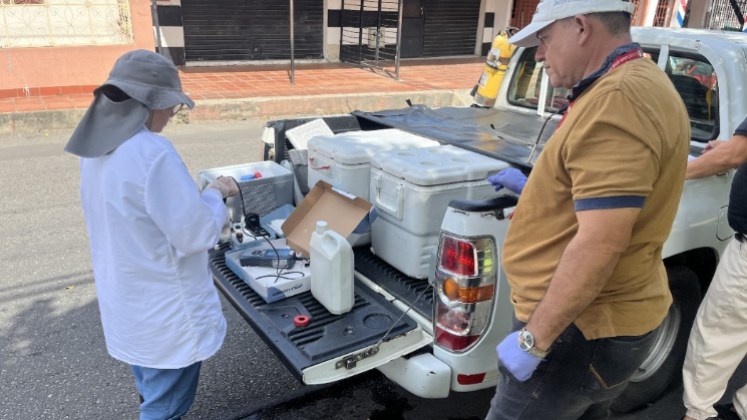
{"points": [[583, 251]]}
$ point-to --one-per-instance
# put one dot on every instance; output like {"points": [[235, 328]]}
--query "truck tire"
{"points": [[664, 363]]}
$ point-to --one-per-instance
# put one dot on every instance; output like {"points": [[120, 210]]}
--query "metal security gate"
{"points": [[239, 30], [664, 11], [370, 35], [522, 12], [723, 16], [637, 18], [450, 27]]}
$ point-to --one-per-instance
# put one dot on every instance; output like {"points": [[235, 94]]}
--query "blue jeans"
{"points": [[578, 379], [167, 393]]}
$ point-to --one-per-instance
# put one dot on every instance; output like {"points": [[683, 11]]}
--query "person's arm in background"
{"points": [[720, 156]]}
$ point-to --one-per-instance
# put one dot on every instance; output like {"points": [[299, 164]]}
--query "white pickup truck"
{"points": [[445, 342]]}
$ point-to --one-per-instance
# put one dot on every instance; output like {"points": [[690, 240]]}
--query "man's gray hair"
{"points": [[616, 23]]}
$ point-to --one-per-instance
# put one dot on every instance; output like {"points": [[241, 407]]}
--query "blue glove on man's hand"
{"points": [[511, 178], [520, 363]]}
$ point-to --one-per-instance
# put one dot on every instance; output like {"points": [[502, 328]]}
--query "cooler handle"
{"points": [[393, 210], [318, 168]]}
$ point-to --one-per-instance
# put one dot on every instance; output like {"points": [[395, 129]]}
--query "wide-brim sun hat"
{"points": [[152, 83], [549, 11]]}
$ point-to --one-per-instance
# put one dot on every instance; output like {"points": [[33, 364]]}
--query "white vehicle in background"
{"points": [[446, 340]]}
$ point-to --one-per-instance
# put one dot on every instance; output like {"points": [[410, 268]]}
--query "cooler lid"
{"points": [[357, 147], [437, 165]]}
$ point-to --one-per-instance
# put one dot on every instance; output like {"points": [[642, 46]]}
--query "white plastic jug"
{"points": [[331, 270]]}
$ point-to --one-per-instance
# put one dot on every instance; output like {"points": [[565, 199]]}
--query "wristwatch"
{"points": [[526, 343]]}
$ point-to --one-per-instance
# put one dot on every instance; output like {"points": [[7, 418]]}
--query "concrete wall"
{"points": [[171, 31], [73, 66], [496, 16], [698, 12]]}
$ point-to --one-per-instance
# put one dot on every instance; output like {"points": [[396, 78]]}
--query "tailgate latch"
{"points": [[351, 362]]}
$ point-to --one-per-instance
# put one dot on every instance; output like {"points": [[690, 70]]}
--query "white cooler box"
{"points": [[344, 160], [411, 190]]}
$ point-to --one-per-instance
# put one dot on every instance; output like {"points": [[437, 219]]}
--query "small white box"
{"points": [[299, 136], [266, 281], [411, 190]]}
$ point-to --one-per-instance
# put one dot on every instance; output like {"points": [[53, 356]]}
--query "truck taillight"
{"points": [[458, 257], [465, 284]]}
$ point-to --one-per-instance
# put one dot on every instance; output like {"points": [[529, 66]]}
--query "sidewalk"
{"points": [[264, 91]]}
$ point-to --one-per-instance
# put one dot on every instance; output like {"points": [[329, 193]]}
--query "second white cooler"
{"points": [[344, 160], [411, 190]]}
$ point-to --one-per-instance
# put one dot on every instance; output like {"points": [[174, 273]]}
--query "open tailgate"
{"points": [[331, 347]]}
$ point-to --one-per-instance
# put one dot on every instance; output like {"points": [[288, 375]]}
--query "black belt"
{"points": [[739, 237]]}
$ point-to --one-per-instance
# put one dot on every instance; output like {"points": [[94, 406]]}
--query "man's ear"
{"points": [[583, 28]]}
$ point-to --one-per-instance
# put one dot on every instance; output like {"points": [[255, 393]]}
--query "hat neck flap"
{"points": [[105, 126]]}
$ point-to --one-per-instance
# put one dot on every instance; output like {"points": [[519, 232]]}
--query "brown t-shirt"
{"points": [[623, 144]]}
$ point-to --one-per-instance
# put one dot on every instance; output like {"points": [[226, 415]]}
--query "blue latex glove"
{"points": [[512, 179], [520, 363]]}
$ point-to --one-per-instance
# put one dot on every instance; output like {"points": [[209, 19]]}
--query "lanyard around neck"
{"points": [[619, 61]]}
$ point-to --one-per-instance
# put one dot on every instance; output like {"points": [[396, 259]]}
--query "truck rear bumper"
{"points": [[422, 375]]}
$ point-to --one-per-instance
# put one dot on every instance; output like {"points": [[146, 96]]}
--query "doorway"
{"points": [[412, 28]]}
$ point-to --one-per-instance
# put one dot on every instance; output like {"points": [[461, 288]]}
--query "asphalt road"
{"points": [[53, 361]]}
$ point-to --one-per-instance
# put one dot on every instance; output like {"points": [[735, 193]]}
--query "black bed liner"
{"points": [[327, 336]]}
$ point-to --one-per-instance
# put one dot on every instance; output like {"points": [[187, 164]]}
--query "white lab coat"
{"points": [[149, 230]]}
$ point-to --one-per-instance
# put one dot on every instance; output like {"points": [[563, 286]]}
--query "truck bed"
{"points": [[327, 336]]}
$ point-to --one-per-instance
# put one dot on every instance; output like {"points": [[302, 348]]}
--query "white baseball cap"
{"points": [[548, 11]]}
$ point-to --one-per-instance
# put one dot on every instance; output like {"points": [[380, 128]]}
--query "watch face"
{"points": [[526, 340]]}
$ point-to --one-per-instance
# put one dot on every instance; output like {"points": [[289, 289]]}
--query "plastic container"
{"points": [[344, 160], [411, 190], [331, 270], [270, 187]]}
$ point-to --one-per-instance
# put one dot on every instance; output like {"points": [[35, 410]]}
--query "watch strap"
{"points": [[533, 351]]}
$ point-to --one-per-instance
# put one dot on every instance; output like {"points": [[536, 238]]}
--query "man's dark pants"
{"points": [[578, 379]]}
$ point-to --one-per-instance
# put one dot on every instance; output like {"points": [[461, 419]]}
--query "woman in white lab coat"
{"points": [[149, 230]]}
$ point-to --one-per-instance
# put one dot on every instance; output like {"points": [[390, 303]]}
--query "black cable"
{"points": [[542, 130], [279, 271], [241, 197], [279, 274]]}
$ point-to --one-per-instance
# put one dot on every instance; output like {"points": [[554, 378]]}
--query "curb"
{"points": [[252, 108]]}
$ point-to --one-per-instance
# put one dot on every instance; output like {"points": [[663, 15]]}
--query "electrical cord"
{"points": [[279, 271], [539, 136]]}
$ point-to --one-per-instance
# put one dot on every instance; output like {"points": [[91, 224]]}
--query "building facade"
{"points": [[226, 31], [70, 43], [74, 43]]}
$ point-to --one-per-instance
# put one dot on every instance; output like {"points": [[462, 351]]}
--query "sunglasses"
{"points": [[176, 109]]}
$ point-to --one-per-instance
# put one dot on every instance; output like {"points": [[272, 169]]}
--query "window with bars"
{"points": [[49, 23], [721, 15], [664, 10]]}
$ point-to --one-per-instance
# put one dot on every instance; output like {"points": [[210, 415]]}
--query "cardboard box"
{"points": [[343, 213], [265, 280]]}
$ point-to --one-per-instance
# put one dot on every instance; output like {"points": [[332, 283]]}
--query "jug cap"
{"points": [[321, 226]]}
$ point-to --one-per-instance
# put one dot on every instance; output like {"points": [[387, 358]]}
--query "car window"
{"points": [[696, 82], [526, 86], [692, 76]]}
